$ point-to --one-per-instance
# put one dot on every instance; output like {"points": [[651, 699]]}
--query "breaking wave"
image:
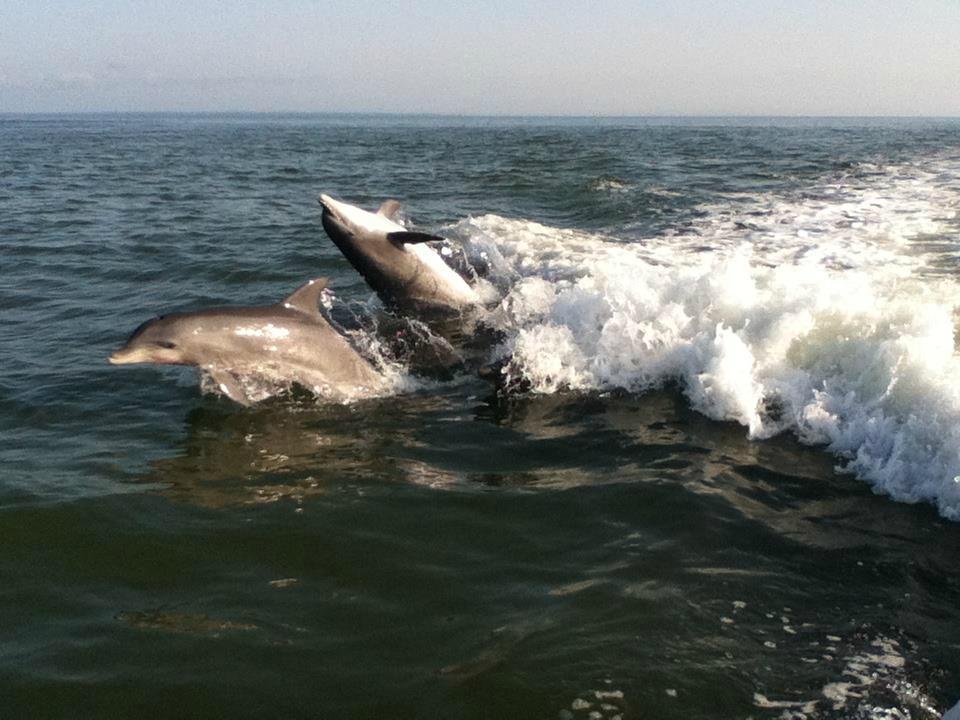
{"points": [[827, 314]]}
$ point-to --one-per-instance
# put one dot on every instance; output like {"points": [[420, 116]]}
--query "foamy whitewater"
{"points": [[824, 315]]}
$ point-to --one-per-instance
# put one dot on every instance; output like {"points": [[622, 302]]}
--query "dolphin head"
{"points": [[333, 219], [397, 263], [158, 341], [362, 237], [339, 229], [343, 219]]}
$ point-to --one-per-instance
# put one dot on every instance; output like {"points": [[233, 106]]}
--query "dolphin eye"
{"points": [[165, 345]]}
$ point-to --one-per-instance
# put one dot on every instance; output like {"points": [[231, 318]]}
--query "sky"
{"points": [[590, 57]]}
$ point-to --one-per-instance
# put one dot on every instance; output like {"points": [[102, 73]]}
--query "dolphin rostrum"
{"points": [[289, 342], [395, 262]]}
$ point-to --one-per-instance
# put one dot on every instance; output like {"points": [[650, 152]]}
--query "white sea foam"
{"points": [[818, 314]]}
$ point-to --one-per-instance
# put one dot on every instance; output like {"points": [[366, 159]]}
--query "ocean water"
{"points": [[722, 481]]}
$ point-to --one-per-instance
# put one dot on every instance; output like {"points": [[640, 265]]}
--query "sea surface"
{"points": [[719, 478]]}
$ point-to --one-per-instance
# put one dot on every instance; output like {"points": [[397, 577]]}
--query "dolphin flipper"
{"points": [[228, 385]]}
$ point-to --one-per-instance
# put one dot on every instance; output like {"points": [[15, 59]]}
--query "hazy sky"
{"points": [[797, 57]]}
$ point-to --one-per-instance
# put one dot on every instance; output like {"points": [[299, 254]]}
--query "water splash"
{"points": [[819, 316]]}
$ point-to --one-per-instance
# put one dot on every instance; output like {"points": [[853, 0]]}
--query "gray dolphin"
{"points": [[283, 343], [395, 262]]}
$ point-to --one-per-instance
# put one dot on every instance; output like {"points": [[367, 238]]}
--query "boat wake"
{"points": [[822, 314]]}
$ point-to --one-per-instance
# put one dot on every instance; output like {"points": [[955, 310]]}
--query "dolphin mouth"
{"points": [[131, 356], [120, 358], [335, 222], [329, 205]]}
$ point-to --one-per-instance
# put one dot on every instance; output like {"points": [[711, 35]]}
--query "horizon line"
{"points": [[469, 115]]}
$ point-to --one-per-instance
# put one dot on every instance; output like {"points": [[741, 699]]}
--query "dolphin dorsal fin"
{"points": [[389, 208], [412, 238], [306, 298]]}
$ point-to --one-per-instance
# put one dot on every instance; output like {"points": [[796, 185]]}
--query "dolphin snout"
{"points": [[130, 355], [118, 358], [331, 206]]}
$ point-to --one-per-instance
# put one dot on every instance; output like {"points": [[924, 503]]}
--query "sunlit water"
{"points": [[725, 484]]}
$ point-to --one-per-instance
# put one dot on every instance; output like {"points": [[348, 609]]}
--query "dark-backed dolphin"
{"points": [[289, 342], [404, 271]]}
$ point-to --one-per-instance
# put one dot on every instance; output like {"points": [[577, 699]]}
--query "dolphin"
{"points": [[404, 271], [289, 342]]}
